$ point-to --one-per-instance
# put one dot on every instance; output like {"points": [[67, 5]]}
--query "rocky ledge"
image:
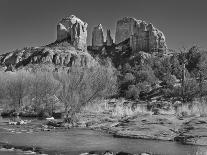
{"points": [[56, 54], [193, 131]]}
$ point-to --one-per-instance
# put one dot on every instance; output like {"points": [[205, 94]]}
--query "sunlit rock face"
{"points": [[74, 30], [109, 40], [143, 36], [53, 55], [97, 36]]}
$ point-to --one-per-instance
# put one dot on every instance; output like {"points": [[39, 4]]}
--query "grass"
{"points": [[121, 108]]}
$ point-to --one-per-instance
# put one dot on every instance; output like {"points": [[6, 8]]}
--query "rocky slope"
{"points": [[57, 55]]}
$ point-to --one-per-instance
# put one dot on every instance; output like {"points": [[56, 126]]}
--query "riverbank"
{"points": [[186, 129], [125, 119]]}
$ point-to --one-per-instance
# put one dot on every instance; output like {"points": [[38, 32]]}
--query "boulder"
{"points": [[97, 36], [74, 30], [143, 36], [109, 40]]}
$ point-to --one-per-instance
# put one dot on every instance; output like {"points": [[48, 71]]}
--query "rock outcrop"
{"points": [[143, 36], [65, 52], [193, 132], [97, 37], [109, 40], [73, 30], [53, 56]]}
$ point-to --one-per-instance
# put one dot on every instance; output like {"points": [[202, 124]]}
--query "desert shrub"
{"points": [[132, 92], [187, 93], [145, 73], [169, 80], [193, 57], [144, 86], [191, 88]]}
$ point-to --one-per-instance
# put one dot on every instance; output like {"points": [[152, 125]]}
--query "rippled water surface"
{"points": [[74, 141]]}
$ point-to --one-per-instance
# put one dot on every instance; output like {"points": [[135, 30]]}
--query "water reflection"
{"points": [[75, 141]]}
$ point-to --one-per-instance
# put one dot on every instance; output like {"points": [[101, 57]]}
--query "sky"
{"points": [[26, 23]]}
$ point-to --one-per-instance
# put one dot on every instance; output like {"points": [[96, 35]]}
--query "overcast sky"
{"points": [[33, 22]]}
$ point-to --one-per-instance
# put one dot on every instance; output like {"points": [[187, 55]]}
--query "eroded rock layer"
{"points": [[55, 55], [143, 36]]}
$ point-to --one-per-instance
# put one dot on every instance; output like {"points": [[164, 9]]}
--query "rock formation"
{"points": [[97, 37], [72, 40], [143, 36], [52, 55], [74, 30], [109, 40]]}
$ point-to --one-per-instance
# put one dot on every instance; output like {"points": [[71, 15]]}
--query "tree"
{"points": [[43, 86], [81, 85], [17, 86]]}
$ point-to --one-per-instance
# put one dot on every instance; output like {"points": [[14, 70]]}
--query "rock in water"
{"points": [[74, 30], [143, 36], [97, 37], [109, 40]]}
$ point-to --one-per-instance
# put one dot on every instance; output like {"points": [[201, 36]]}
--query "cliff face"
{"points": [[143, 36], [125, 28], [97, 36], [74, 30]]}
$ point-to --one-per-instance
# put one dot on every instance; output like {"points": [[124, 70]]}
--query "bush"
{"points": [[132, 92]]}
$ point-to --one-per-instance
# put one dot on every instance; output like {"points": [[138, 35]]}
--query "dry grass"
{"points": [[116, 108], [122, 108], [195, 108]]}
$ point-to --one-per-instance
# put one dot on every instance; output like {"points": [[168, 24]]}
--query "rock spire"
{"points": [[74, 30], [97, 36], [109, 40]]}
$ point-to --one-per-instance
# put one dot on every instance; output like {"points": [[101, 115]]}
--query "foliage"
{"points": [[132, 92], [16, 87], [81, 85]]}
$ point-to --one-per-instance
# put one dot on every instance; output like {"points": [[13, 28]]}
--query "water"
{"points": [[74, 141]]}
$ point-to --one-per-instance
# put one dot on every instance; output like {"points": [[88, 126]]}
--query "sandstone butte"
{"points": [[143, 37], [74, 30], [70, 46]]}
